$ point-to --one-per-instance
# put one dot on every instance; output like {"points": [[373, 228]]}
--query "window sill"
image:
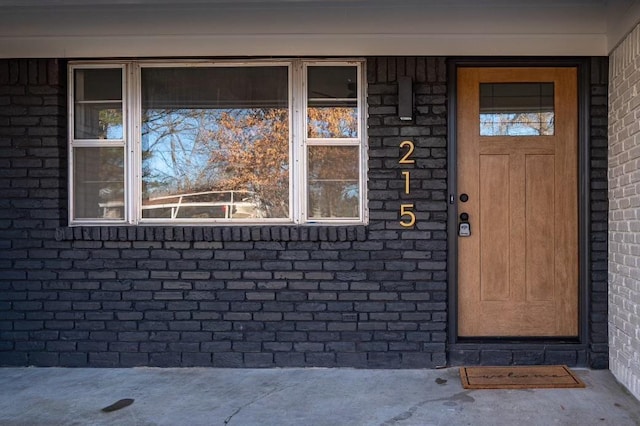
{"points": [[218, 233]]}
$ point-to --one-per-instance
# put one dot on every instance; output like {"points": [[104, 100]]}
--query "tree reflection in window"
{"points": [[333, 182], [190, 151], [215, 142], [332, 102], [333, 122]]}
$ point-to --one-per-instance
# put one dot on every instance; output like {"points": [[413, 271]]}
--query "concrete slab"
{"points": [[200, 396]]}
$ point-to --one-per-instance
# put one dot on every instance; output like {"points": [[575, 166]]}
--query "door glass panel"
{"points": [[516, 109]]}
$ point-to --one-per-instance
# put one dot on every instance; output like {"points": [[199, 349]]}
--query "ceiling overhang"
{"points": [[152, 28]]}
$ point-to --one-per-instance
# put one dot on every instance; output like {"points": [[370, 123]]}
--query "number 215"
{"points": [[408, 217]]}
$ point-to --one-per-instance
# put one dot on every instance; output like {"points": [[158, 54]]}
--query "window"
{"points": [[333, 184], [98, 144], [217, 142]]}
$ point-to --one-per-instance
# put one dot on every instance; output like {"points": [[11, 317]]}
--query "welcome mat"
{"points": [[522, 377]]}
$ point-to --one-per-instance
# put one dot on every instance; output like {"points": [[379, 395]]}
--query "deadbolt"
{"points": [[464, 198]]}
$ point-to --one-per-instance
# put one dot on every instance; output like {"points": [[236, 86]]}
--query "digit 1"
{"points": [[406, 181]]}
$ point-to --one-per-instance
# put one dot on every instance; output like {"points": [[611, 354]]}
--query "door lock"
{"points": [[464, 228]]}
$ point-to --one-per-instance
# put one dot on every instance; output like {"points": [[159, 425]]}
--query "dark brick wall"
{"points": [[361, 296], [32, 188], [364, 296], [598, 114]]}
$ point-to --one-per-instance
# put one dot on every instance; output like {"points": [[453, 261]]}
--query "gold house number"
{"points": [[407, 216]]}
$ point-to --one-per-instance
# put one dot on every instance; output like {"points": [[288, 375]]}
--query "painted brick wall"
{"points": [[598, 356], [362, 296], [624, 212], [365, 296], [32, 193]]}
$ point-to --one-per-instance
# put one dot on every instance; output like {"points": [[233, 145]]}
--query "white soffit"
{"points": [[151, 28]]}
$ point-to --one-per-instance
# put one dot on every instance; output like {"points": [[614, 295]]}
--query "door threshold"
{"points": [[492, 340]]}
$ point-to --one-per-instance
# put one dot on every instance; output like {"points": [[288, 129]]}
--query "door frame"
{"points": [[582, 66]]}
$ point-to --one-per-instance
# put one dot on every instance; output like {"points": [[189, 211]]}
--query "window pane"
{"points": [[332, 110], [516, 109], [98, 104], [98, 190], [215, 142], [334, 182]]}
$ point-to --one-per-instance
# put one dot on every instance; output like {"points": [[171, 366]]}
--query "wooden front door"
{"points": [[517, 164]]}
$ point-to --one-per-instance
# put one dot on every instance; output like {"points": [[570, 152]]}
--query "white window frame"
{"points": [[298, 141], [309, 142], [123, 143]]}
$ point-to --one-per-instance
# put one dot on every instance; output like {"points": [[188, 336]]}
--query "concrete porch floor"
{"points": [[202, 396]]}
